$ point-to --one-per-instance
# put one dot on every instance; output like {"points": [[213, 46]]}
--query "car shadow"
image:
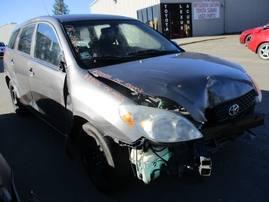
{"points": [[36, 154]]}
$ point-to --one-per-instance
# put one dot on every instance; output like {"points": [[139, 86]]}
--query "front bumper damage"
{"points": [[150, 161], [219, 135]]}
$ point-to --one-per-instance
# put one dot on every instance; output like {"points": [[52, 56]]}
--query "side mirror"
{"points": [[174, 42], [181, 49]]}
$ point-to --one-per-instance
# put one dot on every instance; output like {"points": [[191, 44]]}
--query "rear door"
{"points": [[18, 59], [45, 78]]}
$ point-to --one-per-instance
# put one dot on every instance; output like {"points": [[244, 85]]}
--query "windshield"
{"points": [[99, 43]]}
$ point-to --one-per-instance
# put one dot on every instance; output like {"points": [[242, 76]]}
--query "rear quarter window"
{"points": [[12, 39]]}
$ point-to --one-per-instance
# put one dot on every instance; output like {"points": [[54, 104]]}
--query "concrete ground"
{"points": [[240, 171]]}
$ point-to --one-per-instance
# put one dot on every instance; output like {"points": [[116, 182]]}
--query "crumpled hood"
{"points": [[193, 80]]}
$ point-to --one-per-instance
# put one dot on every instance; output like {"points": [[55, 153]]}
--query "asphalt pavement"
{"points": [[240, 171]]}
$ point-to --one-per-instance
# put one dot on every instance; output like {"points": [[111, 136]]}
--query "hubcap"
{"points": [[14, 98], [265, 52]]}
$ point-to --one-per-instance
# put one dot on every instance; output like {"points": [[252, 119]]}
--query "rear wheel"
{"points": [[18, 107], [263, 51], [106, 163]]}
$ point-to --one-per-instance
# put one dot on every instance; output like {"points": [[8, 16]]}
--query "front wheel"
{"points": [[18, 107], [263, 51], [247, 39], [106, 163]]}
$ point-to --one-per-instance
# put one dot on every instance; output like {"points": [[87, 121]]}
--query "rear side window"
{"points": [[25, 39], [12, 39], [47, 46]]}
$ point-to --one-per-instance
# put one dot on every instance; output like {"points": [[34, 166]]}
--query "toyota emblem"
{"points": [[234, 109]]}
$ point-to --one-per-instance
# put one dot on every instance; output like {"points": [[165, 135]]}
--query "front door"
{"points": [[46, 80]]}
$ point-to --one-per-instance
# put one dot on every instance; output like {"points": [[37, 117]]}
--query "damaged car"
{"points": [[135, 103]]}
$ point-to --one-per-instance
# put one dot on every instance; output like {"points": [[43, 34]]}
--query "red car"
{"points": [[246, 35], [259, 43]]}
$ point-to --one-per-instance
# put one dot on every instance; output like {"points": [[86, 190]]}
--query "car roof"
{"points": [[74, 17], [81, 17]]}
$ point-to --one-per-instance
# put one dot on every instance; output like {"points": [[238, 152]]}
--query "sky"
{"points": [[19, 11]]}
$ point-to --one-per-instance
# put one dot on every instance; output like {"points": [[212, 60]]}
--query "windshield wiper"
{"points": [[151, 52], [103, 58]]}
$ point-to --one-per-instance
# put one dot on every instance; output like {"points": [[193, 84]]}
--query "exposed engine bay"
{"points": [[173, 161]]}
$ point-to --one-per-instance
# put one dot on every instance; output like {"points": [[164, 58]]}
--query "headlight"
{"points": [[158, 124], [259, 97]]}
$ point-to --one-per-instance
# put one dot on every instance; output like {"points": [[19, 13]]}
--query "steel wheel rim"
{"points": [[95, 162], [264, 52]]}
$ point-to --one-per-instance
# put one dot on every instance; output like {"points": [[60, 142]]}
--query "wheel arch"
{"points": [[7, 79], [77, 124], [260, 45], [116, 158], [247, 36]]}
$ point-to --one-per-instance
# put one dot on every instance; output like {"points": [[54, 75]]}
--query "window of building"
{"points": [[155, 16], [149, 16]]}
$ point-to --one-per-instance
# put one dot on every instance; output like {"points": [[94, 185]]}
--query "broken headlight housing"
{"points": [[159, 125]]}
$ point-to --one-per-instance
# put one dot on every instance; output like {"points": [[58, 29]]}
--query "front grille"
{"points": [[220, 112]]}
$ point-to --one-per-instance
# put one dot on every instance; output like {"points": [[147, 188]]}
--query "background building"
{"points": [[186, 18], [5, 32]]}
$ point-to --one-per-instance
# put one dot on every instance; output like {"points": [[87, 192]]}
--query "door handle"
{"points": [[11, 62], [31, 72]]}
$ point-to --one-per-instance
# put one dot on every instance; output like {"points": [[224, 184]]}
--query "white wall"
{"points": [[5, 32], [122, 7], [235, 15], [245, 14]]}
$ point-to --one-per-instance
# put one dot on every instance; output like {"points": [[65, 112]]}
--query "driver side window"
{"points": [[47, 46]]}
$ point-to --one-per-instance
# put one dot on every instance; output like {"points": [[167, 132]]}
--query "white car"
{"points": [[2, 48]]}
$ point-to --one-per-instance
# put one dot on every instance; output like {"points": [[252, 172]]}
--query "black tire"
{"points": [[106, 163], [18, 107], [247, 39], [263, 51]]}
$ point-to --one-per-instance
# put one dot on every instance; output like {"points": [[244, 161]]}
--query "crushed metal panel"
{"points": [[194, 84]]}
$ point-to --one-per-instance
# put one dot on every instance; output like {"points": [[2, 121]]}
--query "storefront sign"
{"points": [[176, 20], [207, 9], [185, 18], [166, 18]]}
